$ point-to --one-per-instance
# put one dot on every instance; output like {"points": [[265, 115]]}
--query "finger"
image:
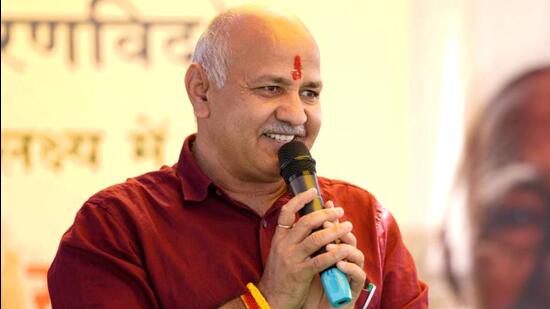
{"points": [[351, 254], [352, 265], [324, 260], [289, 210], [356, 274], [330, 204], [349, 238], [321, 238], [311, 222]]}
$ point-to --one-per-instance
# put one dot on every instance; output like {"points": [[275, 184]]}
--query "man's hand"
{"points": [[290, 268], [352, 266]]}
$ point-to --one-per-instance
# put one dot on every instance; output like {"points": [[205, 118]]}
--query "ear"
{"points": [[196, 84]]}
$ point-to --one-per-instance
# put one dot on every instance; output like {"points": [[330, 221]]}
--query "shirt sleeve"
{"points": [[401, 287], [98, 266]]}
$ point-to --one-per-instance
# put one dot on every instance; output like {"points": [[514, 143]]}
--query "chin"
{"points": [[271, 170]]}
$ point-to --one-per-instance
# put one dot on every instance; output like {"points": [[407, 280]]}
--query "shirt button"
{"points": [[264, 223], [218, 192]]}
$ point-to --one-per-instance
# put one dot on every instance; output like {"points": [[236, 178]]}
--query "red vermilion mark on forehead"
{"points": [[297, 72]]}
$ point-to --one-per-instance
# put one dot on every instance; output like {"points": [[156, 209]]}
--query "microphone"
{"points": [[298, 171]]}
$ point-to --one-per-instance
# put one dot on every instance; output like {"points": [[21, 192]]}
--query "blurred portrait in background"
{"points": [[505, 175]]}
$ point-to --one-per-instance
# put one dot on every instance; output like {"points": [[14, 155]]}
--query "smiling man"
{"points": [[220, 228]]}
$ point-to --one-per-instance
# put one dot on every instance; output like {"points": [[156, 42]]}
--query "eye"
{"points": [[515, 217], [310, 95], [270, 90]]}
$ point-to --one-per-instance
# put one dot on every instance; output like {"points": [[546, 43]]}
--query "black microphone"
{"points": [[298, 171]]}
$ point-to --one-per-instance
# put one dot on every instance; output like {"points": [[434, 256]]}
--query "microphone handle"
{"points": [[335, 282]]}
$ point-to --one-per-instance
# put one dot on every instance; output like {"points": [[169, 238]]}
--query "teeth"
{"points": [[280, 137]]}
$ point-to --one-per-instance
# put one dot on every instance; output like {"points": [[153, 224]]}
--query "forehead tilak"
{"points": [[297, 71]]}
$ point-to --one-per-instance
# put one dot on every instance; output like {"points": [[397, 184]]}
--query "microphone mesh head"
{"points": [[294, 158]]}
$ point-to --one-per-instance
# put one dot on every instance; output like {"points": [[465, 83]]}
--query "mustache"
{"points": [[285, 128]]}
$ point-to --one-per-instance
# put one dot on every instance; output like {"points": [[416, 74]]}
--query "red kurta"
{"points": [[172, 239]]}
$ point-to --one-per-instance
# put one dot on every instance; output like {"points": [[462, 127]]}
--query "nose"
{"points": [[292, 111]]}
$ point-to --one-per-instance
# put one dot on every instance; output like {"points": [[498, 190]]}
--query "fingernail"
{"points": [[331, 247], [339, 210], [330, 204]]}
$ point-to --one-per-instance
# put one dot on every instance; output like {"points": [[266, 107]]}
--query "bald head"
{"points": [[245, 28], [256, 82]]}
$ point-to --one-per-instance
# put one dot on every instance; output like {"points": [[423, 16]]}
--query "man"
{"points": [[506, 173], [195, 234]]}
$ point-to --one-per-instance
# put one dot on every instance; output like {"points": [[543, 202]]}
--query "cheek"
{"points": [[496, 287], [535, 146], [237, 118], [501, 273], [314, 116]]}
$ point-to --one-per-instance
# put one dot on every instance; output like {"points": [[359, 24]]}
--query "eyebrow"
{"points": [[275, 79], [506, 178], [313, 84]]}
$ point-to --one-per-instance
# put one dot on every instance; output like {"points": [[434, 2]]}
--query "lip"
{"points": [[273, 146]]}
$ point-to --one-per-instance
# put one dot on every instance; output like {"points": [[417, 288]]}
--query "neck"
{"points": [[256, 194]]}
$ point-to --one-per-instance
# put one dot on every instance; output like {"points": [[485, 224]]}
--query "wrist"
{"points": [[254, 299]]}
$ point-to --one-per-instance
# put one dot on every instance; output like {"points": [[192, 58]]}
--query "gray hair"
{"points": [[212, 50]]}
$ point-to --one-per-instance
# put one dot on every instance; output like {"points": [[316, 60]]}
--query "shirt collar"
{"points": [[194, 183]]}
